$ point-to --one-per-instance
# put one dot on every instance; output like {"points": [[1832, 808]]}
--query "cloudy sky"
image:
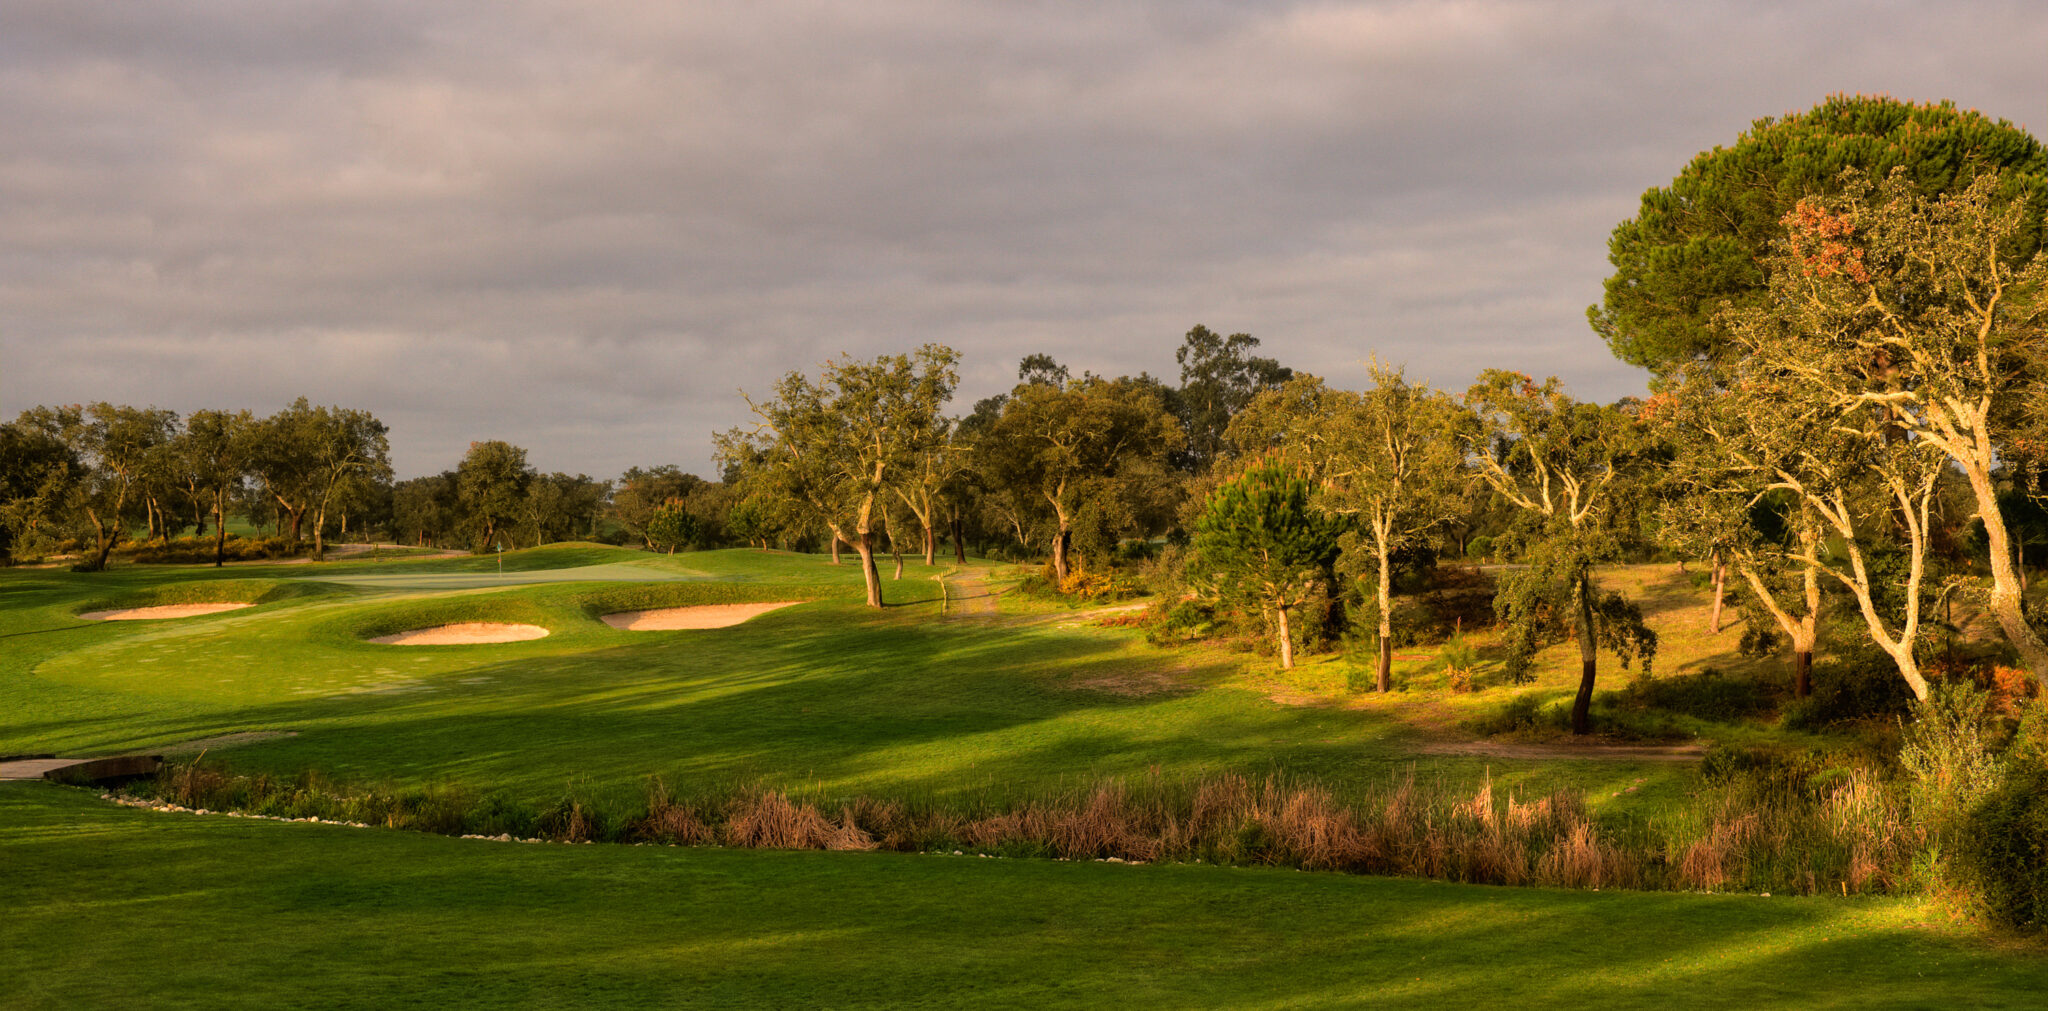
{"points": [[583, 227]]}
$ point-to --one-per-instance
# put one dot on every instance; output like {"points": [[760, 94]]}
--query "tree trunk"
{"points": [[1582, 704], [959, 541], [1286, 642], [931, 545], [103, 542], [220, 527], [1720, 583], [2006, 587], [1385, 681], [320, 535], [1802, 673], [835, 547], [868, 573], [896, 551], [1060, 539]]}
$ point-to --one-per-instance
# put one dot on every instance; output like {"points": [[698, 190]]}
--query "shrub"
{"points": [[1856, 685], [1707, 695], [1460, 661], [2001, 853], [1947, 750], [1479, 548], [1185, 621], [1527, 711]]}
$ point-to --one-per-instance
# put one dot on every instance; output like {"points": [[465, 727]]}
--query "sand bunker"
{"points": [[464, 633], [161, 611], [669, 619]]}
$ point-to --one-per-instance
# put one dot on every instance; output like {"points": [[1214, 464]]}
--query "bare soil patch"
{"points": [[1139, 681], [1539, 751], [669, 619], [161, 611], [466, 633]]}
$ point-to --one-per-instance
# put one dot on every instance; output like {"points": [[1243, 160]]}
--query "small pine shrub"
{"points": [[1460, 661]]}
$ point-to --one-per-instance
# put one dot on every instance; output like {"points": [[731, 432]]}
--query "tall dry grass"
{"points": [[1753, 834]]}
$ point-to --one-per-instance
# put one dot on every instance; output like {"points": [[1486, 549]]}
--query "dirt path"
{"points": [[968, 596], [1582, 752]]}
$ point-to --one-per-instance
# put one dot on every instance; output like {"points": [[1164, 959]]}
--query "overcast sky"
{"points": [[583, 227]]}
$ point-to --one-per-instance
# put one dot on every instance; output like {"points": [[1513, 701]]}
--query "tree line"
{"points": [[90, 478], [1846, 318]]}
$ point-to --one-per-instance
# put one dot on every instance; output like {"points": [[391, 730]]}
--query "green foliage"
{"points": [[491, 484], [1858, 683], [1707, 694], [2000, 852], [672, 526], [1262, 542], [1696, 244], [201, 550], [1085, 463], [1522, 713], [1262, 530], [1218, 377], [1947, 749]]}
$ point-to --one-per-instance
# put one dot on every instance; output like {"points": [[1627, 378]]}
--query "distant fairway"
{"points": [[612, 572]]}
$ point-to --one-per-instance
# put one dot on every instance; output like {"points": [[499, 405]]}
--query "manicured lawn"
{"points": [[827, 697], [113, 907]]}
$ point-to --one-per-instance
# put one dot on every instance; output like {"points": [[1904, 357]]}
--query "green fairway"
{"points": [[828, 696], [117, 907]]}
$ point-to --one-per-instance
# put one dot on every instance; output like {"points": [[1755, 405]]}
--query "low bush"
{"points": [[1947, 748], [1519, 714], [1185, 621], [199, 550], [1707, 694], [1858, 684], [2001, 854]]}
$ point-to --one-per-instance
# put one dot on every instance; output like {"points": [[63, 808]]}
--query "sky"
{"points": [[586, 227]]}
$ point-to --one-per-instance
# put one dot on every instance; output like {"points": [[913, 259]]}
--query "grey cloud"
{"points": [[583, 227]]}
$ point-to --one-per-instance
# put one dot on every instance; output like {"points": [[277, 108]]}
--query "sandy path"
{"points": [[463, 634], [669, 619], [161, 611], [968, 595]]}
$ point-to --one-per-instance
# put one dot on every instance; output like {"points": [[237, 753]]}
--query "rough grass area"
{"points": [[114, 907]]}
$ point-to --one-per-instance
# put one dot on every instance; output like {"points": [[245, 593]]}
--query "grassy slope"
{"points": [[117, 907], [827, 696]]}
